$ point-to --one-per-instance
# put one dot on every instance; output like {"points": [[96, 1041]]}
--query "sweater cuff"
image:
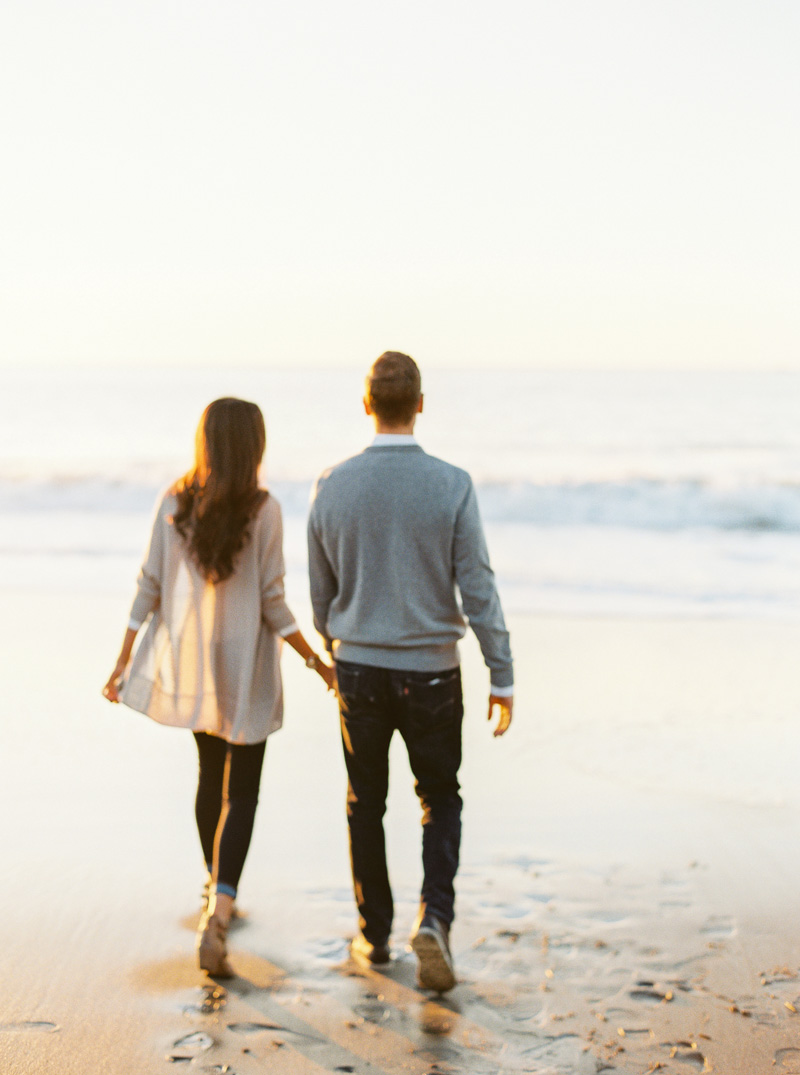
{"points": [[288, 630]]}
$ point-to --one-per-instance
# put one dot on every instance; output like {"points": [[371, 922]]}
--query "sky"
{"points": [[560, 184]]}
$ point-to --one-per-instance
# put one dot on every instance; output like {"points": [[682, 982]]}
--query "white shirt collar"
{"points": [[393, 440]]}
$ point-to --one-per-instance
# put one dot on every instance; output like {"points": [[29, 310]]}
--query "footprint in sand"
{"points": [[253, 1028], [788, 1058], [688, 1054], [677, 893], [505, 910], [332, 951], [651, 991], [372, 1011], [40, 1025], [185, 1049], [619, 1016], [719, 927], [671, 880], [541, 897], [273, 1028], [609, 918], [558, 1050]]}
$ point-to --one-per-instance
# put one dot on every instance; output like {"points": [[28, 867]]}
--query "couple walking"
{"points": [[394, 536]]}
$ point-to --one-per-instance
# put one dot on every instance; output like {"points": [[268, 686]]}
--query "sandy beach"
{"points": [[627, 899], [577, 218]]}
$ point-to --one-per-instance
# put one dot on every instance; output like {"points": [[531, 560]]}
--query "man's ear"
{"points": [[419, 405], [367, 408]]}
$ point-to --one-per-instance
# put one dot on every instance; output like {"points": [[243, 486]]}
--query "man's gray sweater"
{"points": [[392, 533]]}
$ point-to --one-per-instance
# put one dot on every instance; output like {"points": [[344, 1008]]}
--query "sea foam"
{"points": [[637, 503]]}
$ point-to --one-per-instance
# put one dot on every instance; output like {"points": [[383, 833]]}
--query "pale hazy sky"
{"points": [[560, 183]]}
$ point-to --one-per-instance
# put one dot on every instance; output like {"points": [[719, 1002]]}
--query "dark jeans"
{"points": [[225, 807], [426, 708]]}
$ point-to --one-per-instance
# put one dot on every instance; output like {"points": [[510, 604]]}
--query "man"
{"points": [[392, 533]]}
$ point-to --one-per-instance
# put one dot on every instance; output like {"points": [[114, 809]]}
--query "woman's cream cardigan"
{"points": [[210, 656]]}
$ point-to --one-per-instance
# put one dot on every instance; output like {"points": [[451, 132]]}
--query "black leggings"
{"points": [[225, 807]]}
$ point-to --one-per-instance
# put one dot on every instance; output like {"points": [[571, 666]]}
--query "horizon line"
{"points": [[100, 365]]}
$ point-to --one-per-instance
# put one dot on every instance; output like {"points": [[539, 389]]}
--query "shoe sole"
{"points": [[435, 971]]}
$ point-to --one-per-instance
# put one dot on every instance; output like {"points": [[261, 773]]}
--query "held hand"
{"points": [[111, 689], [328, 673], [505, 706]]}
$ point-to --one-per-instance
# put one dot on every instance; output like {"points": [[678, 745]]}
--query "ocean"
{"points": [[635, 494]]}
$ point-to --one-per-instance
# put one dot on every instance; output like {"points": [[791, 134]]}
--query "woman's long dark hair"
{"points": [[219, 496]]}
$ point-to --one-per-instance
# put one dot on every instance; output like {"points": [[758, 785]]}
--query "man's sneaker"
{"points": [[366, 952], [430, 945]]}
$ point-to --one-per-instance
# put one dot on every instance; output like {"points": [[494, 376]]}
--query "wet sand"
{"points": [[627, 899]]}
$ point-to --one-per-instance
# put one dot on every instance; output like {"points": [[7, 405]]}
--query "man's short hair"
{"points": [[394, 387]]}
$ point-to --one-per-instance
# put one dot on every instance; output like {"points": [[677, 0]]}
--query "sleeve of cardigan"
{"points": [[148, 584], [274, 610]]}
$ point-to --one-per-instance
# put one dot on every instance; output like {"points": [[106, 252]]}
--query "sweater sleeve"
{"points": [[322, 578], [148, 584], [479, 596], [274, 610]]}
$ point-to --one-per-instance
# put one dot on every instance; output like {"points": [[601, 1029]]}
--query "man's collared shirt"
{"points": [[393, 440]]}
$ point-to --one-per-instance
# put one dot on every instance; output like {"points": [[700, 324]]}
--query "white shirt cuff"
{"points": [[134, 625], [502, 692], [290, 630]]}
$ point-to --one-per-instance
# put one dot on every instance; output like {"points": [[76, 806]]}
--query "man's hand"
{"points": [[506, 706]]}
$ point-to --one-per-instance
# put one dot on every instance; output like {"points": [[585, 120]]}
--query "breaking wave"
{"points": [[637, 503]]}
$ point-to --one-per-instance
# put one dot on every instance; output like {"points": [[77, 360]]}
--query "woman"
{"points": [[212, 585]]}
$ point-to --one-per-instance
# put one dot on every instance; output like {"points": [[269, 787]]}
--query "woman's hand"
{"points": [[328, 673], [111, 689], [299, 645]]}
